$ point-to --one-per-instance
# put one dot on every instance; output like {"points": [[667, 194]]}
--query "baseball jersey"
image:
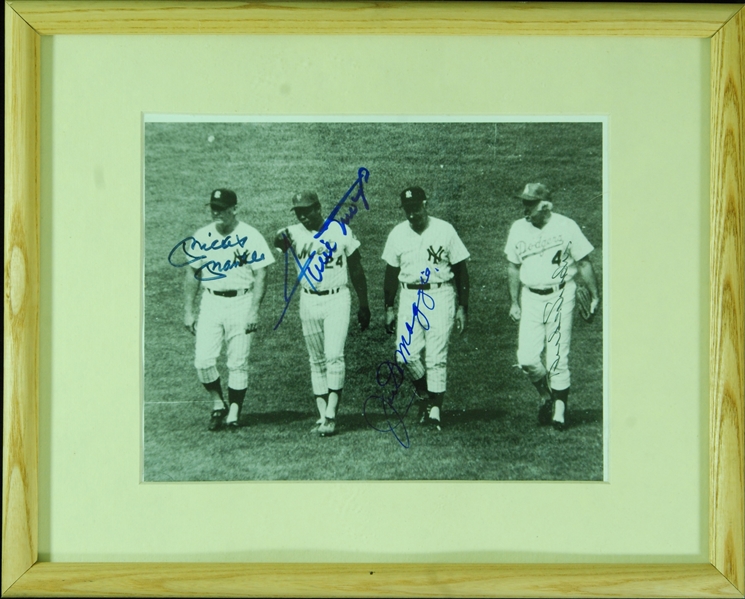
{"points": [[543, 254], [436, 248], [228, 261], [329, 264]]}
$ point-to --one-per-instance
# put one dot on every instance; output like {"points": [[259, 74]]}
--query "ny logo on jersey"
{"points": [[240, 259], [435, 256]]}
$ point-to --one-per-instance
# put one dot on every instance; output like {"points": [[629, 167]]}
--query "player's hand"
{"points": [[460, 320], [515, 312], [252, 325], [390, 321], [363, 317], [282, 240], [189, 323]]}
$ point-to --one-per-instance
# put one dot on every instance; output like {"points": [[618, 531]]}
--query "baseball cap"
{"points": [[412, 195], [222, 199], [534, 192], [305, 199]]}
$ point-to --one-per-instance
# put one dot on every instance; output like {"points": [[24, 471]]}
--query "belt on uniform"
{"points": [[229, 293], [547, 290], [422, 286], [325, 292]]}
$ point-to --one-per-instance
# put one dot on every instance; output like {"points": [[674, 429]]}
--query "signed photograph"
{"points": [[374, 299]]}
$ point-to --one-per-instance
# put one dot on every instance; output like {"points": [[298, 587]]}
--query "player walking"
{"points": [[228, 258], [325, 300], [427, 260], [545, 251]]}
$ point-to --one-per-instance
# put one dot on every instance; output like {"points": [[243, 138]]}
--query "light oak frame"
{"points": [[22, 575]]}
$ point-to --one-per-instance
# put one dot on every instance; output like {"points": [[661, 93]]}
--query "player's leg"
{"points": [[312, 323], [238, 347], [558, 342], [437, 339], [530, 345], [207, 348], [409, 341], [336, 328], [422, 400]]}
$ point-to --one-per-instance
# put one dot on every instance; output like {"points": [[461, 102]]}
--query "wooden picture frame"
{"points": [[724, 574]]}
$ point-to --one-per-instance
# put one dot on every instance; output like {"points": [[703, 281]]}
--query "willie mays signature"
{"points": [[343, 221], [191, 247], [394, 372], [319, 260], [555, 307]]}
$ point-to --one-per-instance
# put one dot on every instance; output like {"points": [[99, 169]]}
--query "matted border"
{"points": [[22, 575]]}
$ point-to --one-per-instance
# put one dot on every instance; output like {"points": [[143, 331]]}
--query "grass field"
{"points": [[470, 172]]}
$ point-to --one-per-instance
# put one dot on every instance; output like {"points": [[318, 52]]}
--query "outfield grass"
{"points": [[470, 172]]}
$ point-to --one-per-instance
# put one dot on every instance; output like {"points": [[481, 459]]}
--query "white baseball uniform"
{"points": [[325, 301], [424, 260], [226, 273], [547, 259]]}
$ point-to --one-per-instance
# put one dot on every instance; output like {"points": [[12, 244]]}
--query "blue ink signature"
{"points": [[395, 372], [555, 307], [418, 316], [213, 267], [362, 173], [326, 255], [390, 373]]}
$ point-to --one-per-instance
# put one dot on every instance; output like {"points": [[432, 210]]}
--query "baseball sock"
{"points": [[561, 396], [334, 398], [543, 389], [321, 404], [235, 398], [215, 390], [421, 387]]}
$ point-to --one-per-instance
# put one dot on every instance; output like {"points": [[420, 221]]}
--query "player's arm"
{"points": [[191, 288], [462, 288], [587, 272], [259, 291], [513, 282], [390, 287], [359, 282]]}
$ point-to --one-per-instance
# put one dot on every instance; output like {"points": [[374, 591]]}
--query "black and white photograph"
{"points": [[374, 298]]}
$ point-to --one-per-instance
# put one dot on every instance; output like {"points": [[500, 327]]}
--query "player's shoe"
{"points": [[422, 412], [433, 424], [316, 426], [559, 416], [328, 428], [545, 412], [216, 420]]}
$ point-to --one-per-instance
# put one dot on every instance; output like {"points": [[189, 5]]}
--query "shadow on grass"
{"points": [[578, 417]]}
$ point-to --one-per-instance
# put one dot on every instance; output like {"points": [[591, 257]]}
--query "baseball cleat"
{"points": [[216, 420], [422, 413], [328, 428], [232, 426], [545, 412], [433, 423]]}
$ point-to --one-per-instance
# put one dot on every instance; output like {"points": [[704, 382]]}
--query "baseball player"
{"points": [[427, 260], [332, 258], [228, 259], [545, 251]]}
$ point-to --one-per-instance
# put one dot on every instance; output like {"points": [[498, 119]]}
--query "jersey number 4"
{"points": [[557, 258]]}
